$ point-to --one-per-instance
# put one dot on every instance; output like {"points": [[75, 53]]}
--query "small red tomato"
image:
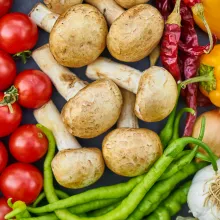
{"points": [[9, 121], [18, 33], [21, 181], [28, 144], [34, 88], [4, 208], [7, 70], [3, 157], [5, 6]]}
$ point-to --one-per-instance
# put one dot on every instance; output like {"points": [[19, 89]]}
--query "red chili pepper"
{"points": [[202, 100], [190, 39], [198, 9], [196, 50], [164, 6], [170, 42]]}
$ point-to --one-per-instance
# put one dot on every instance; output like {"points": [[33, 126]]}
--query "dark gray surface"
{"points": [[109, 178]]}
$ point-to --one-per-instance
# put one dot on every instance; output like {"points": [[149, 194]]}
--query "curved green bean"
{"points": [[60, 194], [172, 204], [162, 189], [167, 132]]}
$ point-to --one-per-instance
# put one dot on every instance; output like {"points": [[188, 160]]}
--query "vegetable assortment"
{"points": [[156, 163]]}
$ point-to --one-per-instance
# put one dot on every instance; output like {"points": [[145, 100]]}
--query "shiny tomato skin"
{"points": [[5, 6], [3, 157], [4, 208], [9, 121], [28, 144], [17, 33], [21, 181], [7, 70], [34, 88]]}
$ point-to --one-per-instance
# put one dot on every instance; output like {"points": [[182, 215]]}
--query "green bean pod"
{"points": [[162, 189], [172, 205]]}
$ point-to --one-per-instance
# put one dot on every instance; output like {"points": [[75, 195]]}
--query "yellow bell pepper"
{"points": [[212, 14], [210, 66]]}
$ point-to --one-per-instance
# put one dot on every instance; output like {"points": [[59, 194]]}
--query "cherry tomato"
{"points": [[34, 88], [5, 6], [18, 33], [4, 208], [28, 144], [9, 121], [3, 157], [7, 70], [21, 181]]}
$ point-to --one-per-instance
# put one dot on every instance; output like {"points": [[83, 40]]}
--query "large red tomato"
{"points": [[5, 6], [4, 208], [9, 121], [3, 157], [7, 70], [18, 33], [21, 181], [34, 88], [28, 144]]}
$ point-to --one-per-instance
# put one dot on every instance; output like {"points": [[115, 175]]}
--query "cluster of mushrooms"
{"points": [[78, 35]]}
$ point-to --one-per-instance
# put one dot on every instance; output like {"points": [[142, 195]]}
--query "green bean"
{"points": [[162, 189], [129, 204], [108, 192], [103, 211], [167, 131], [60, 194], [177, 122], [172, 204]]}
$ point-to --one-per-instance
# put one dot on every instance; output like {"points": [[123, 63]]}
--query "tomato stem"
{"points": [[23, 55], [10, 97]]}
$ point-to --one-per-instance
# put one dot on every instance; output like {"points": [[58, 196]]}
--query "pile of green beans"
{"points": [[134, 199]]}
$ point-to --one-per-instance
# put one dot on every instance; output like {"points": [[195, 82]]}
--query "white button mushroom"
{"points": [[77, 37], [133, 33], [130, 150], [90, 110], [130, 3], [60, 6], [73, 167], [156, 88]]}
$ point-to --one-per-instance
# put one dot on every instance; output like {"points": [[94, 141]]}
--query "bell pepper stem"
{"points": [[198, 9]]}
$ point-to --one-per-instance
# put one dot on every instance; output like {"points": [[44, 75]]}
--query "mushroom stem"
{"points": [[43, 17], [49, 116], [109, 8], [127, 118], [124, 76], [67, 83]]}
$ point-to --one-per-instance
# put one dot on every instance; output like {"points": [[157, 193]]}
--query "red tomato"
{"points": [[7, 70], [21, 181], [28, 144], [4, 208], [5, 6], [34, 88], [9, 121], [3, 157], [17, 33]]}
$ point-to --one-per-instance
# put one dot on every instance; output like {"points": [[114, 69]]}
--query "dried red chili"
{"points": [[170, 42], [198, 9], [164, 6]]}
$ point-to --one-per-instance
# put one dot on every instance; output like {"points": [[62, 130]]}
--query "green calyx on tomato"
{"points": [[23, 55], [10, 97]]}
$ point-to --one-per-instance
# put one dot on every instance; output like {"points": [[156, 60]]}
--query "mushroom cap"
{"points": [[135, 33], [78, 168], [130, 3], [157, 95], [60, 6], [131, 152], [78, 36], [94, 109]]}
